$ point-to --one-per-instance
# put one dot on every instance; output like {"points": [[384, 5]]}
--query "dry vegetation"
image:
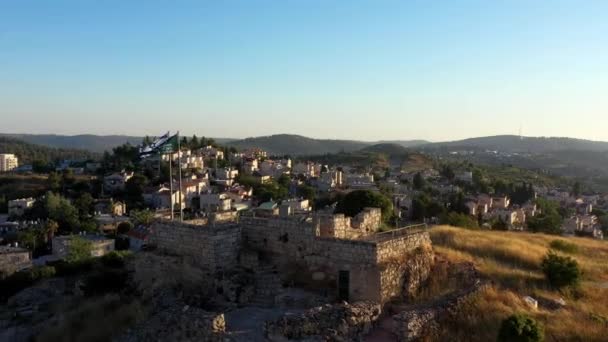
{"points": [[511, 260]]}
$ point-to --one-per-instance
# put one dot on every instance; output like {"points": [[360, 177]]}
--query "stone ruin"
{"points": [[337, 257]]}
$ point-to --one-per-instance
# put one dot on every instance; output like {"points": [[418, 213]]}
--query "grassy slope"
{"points": [[511, 260]]}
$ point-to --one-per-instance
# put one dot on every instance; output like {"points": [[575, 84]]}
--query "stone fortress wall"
{"points": [[212, 247], [320, 246]]}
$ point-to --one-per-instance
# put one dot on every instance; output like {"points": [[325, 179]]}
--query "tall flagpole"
{"points": [[171, 182], [179, 168]]}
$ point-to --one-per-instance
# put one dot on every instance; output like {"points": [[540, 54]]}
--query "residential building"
{"points": [[116, 181], [298, 205], [267, 209], [225, 176], [501, 202], [8, 162], [215, 202], [18, 207], [109, 207], [13, 259], [100, 245], [160, 197], [212, 152]]}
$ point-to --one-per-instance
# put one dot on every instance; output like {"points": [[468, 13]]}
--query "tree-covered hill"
{"points": [[28, 153]]}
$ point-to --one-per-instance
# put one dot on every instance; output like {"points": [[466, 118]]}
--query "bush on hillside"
{"points": [[561, 271], [520, 328], [460, 220], [564, 246], [23, 279], [115, 259]]}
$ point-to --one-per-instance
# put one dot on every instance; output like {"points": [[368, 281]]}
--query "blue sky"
{"points": [[365, 70]]}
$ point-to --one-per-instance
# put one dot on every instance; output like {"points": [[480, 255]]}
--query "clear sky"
{"points": [[365, 70]]}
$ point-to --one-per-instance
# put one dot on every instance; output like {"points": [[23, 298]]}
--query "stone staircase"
{"points": [[268, 285]]}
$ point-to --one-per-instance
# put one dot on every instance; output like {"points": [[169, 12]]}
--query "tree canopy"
{"points": [[354, 202]]}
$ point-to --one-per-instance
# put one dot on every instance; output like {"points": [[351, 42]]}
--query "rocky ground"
{"points": [[170, 300]]}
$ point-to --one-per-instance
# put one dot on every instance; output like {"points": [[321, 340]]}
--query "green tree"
{"points": [[79, 249], [134, 191], [142, 217], [41, 166], [284, 181], [55, 207], [448, 172], [549, 221], [84, 205], [194, 143], [354, 202], [307, 192], [577, 188], [54, 182], [424, 207], [520, 328], [561, 271], [419, 181]]}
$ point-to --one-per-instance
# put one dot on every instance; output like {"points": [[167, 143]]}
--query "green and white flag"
{"points": [[169, 146]]}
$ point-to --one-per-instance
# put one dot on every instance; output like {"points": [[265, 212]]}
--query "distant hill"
{"points": [[386, 148], [281, 144], [514, 144], [90, 142], [94, 143], [27, 152], [405, 143], [298, 145]]}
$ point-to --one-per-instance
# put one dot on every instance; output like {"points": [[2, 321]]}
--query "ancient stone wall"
{"points": [[405, 263], [211, 247], [368, 221], [396, 246], [223, 217], [339, 226], [285, 236]]}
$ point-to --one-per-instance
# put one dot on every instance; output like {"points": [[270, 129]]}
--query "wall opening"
{"points": [[343, 285]]}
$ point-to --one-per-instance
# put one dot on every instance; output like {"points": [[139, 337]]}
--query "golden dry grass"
{"points": [[512, 261]]}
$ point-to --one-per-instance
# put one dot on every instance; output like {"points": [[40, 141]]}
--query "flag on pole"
{"points": [[147, 150], [171, 145], [164, 144]]}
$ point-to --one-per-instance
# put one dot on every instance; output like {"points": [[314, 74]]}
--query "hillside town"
{"points": [[355, 232], [218, 185]]}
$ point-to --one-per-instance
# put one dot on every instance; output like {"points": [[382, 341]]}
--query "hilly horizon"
{"points": [[291, 144], [514, 144]]}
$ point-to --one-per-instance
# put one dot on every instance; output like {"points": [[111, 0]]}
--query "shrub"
{"points": [[65, 268], [561, 271], [23, 279], [105, 280], [564, 246], [460, 220], [115, 259], [124, 227], [522, 328]]}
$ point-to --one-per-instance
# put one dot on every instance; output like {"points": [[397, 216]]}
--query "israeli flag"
{"points": [[146, 151]]}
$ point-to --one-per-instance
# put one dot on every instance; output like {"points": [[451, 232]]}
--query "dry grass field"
{"points": [[511, 260]]}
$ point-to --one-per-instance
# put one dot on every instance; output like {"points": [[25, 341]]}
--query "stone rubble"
{"points": [[340, 322]]}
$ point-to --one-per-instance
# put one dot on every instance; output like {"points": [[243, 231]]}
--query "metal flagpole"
{"points": [[171, 182], [179, 168]]}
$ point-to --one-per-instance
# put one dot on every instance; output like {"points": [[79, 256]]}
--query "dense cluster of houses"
{"points": [[210, 191]]}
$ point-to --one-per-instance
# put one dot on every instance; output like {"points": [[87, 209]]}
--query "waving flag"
{"points": [[164, 144]]}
